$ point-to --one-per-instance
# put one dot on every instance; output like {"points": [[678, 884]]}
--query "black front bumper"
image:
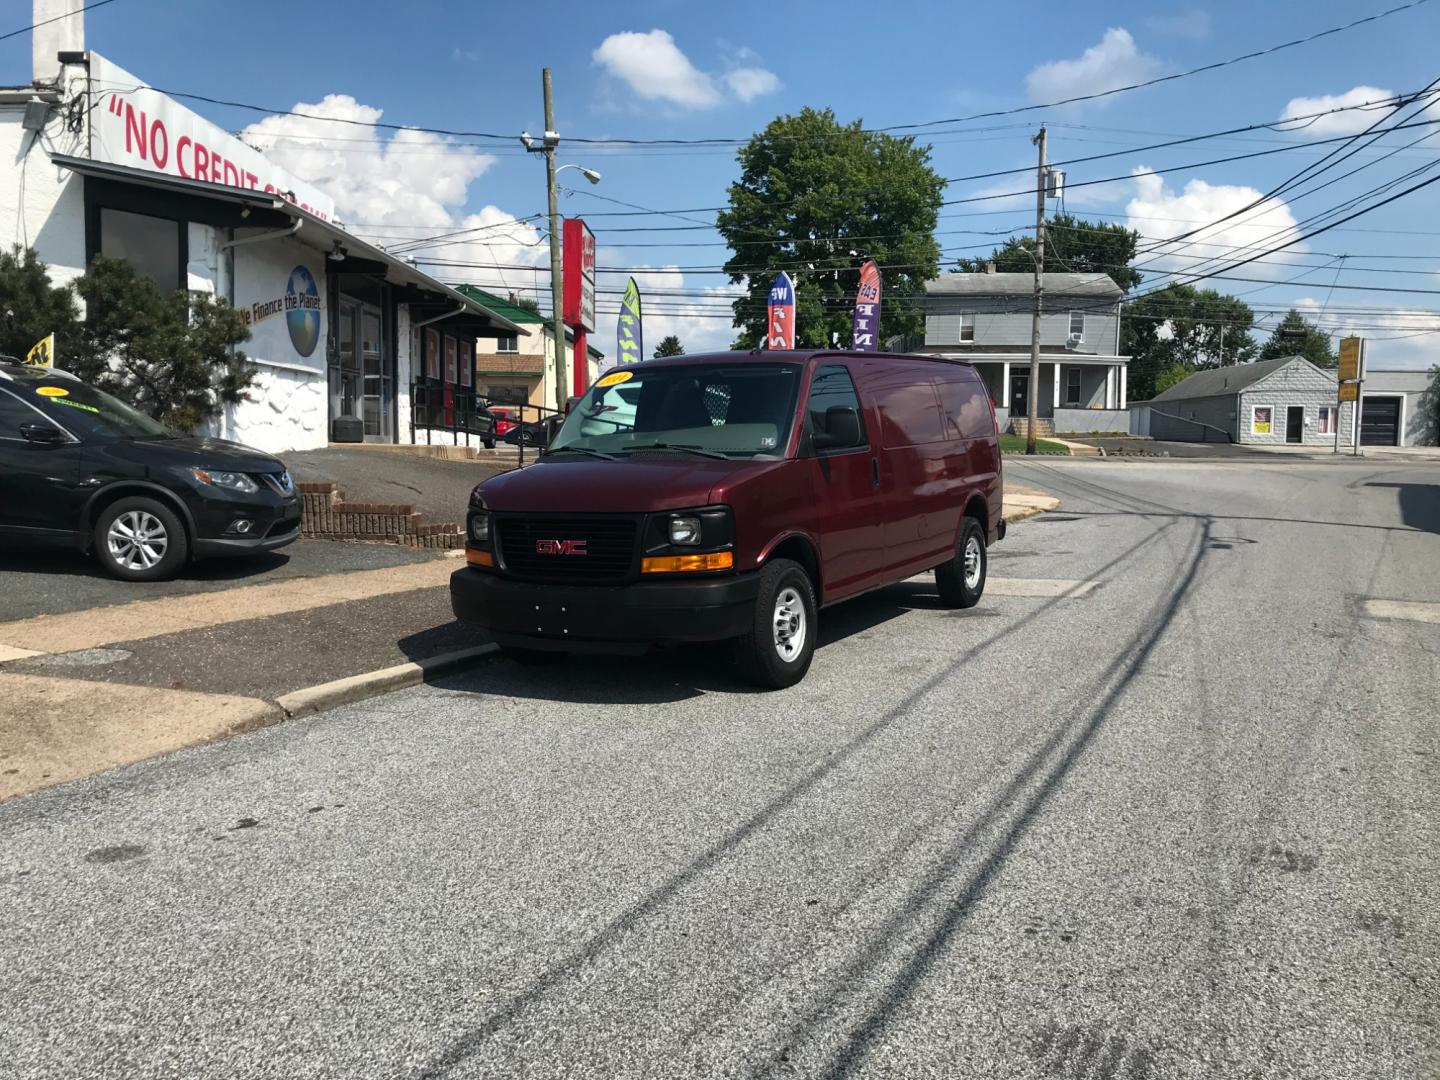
{"points": [[601, 618], [275, 522]]}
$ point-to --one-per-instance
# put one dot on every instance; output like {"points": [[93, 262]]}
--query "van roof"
{"points": [[796, 356]]}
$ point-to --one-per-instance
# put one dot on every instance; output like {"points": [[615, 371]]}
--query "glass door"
{"points": [[379, 391], [345, 369]]}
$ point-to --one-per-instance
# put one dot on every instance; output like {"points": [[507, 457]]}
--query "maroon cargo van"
{"points": [[731, 496]]}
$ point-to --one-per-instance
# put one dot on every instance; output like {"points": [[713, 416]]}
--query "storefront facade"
{"points": [[114, 167]]}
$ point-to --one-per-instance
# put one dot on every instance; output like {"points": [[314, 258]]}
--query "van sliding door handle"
{"points": [[875, 471]]}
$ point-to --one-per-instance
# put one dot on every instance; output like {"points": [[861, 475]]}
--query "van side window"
{"points": [[965, 404], [831, 387]]}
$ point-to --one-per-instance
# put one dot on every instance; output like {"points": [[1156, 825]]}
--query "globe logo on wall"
{"points": [[302, 310]]}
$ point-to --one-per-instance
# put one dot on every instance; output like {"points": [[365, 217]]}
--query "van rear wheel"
{"points": [[961, 579], [777, 650]]}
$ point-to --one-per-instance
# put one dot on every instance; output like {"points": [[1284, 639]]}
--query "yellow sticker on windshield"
{"points": [[615, 378], [52, 391]]}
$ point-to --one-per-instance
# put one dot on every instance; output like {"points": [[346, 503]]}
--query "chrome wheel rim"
{"points": [[137, 540], [974, 562], [789, 624]]}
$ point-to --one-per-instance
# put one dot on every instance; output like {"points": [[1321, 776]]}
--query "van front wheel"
{"points": [[777, 650], [961, 579]]}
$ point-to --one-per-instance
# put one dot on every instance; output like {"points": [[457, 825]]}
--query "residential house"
{"points": [[986, 318], [1285, 400], [515, 370]]}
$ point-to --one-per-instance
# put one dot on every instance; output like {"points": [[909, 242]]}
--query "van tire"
{"points": [[786, 594], [959, 589], [138, 517]]}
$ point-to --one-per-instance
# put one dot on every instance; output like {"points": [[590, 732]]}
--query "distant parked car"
{"points": [[504, 419], [534, 432], [80, 469]]}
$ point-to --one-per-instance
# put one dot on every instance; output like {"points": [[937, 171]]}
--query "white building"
{"points": [[100, 163]]}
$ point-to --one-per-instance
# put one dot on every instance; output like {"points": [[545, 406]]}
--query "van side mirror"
{"points": [[43, 434], [842, 429]]}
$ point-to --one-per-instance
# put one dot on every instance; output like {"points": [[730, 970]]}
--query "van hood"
{"points": [[200, 451], [626, 486]]}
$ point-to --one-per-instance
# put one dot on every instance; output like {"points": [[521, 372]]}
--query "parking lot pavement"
{"points": [[1181, 825]]}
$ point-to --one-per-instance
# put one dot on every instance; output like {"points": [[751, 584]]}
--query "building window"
{"points": [[1262, 419], [507, 394], [467, 363], [507, 343], [967, 328], [150, 245], [1072, 386], [1327, 419], [432, 354], [1077, 326]]}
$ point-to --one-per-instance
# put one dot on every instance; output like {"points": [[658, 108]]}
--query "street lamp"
{"points": [[549, 143]]}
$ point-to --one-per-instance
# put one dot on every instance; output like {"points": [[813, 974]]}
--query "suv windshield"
{"points": [[738, 410], [93, 413]]}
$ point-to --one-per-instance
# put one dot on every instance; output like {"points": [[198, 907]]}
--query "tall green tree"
{"points": [[1072, 245], [170, 354], [32, 308], [1297, 336], [669, 346], [1430, 409], [817, 198], [1180, 324]]}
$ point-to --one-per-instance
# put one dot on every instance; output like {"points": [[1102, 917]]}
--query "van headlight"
{"points": [[685, 530]]}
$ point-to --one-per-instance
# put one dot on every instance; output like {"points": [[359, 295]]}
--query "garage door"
{"points": [[1380, 421]]}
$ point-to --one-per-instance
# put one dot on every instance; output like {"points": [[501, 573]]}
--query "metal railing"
{"points": [[457, 412]]}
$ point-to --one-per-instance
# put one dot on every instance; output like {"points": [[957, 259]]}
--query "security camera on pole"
{"points": [[548, 145]]}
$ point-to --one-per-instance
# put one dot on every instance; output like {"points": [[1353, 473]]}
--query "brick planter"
{"points": [[327, 516]]}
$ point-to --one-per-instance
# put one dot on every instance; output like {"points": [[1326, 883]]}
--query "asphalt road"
{"points": [[1184, 825]]}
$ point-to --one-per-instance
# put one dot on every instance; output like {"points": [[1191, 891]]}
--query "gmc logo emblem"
{"points": [[561, 547]]}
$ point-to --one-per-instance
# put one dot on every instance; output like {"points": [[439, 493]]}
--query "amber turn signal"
{"points": [[679, 564], [479, 558]]}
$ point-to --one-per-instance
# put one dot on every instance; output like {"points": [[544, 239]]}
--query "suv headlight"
{"points": [[685, 531], [231, 481]]}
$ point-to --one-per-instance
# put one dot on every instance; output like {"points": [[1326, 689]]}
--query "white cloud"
{"points": [[1343, 123], [397, 188], [1158, 213], [1395, 337], [1113, 62], [748, 83], [693, 319], [656, 69], [1193, 24]]}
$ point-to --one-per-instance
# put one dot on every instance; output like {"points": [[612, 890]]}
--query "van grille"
{"points": [[609, 547]]}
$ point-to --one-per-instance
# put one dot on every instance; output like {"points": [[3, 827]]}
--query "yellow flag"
{"points": [[42, 353]]}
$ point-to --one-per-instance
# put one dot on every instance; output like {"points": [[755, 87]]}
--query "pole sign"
{"points": [[1350, 353], [866, 326], [136, 125], [780, 324], [629, 337], [578, 310]]}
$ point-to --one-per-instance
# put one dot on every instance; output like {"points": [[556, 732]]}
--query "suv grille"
{"points": [[609, 543]]}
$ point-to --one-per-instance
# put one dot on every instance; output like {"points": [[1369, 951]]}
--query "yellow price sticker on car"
{"points": [[52, 391], [615, 378]]}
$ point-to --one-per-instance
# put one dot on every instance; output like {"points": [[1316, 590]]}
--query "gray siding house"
{"points": [[985, 319], [1286, 400]]}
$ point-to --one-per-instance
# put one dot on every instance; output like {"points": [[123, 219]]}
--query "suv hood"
{"points": [[201, 451], [583, 485]]}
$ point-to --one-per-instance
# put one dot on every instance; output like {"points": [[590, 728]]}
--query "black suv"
{"points": [[80, 469]]}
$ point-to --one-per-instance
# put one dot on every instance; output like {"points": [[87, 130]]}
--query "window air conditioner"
{"points": [[1074, 341]]}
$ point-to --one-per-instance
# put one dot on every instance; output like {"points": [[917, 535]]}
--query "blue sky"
{"points": [[687, 70]]}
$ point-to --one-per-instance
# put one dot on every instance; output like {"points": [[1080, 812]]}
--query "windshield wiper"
{"points": [[684, 449], [582, 450]]}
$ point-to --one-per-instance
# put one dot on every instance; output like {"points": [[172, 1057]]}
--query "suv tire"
{"points": [[777, 650], [961, 579], [140, 539]]}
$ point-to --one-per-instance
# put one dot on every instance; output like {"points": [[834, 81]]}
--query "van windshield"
{"points": [[735, 410]]}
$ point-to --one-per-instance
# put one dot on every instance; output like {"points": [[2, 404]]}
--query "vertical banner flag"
{"points": [[42, 353], [629, 335], [780, 330], [866, 326]]}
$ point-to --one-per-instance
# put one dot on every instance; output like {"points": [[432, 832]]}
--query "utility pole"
{"points": [[557, 295], [1033, 391]]}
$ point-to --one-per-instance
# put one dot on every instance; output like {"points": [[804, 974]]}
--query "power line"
{"points": [[57, 18]]}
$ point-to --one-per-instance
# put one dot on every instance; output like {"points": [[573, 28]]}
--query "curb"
{"points": [[354, 688]]}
